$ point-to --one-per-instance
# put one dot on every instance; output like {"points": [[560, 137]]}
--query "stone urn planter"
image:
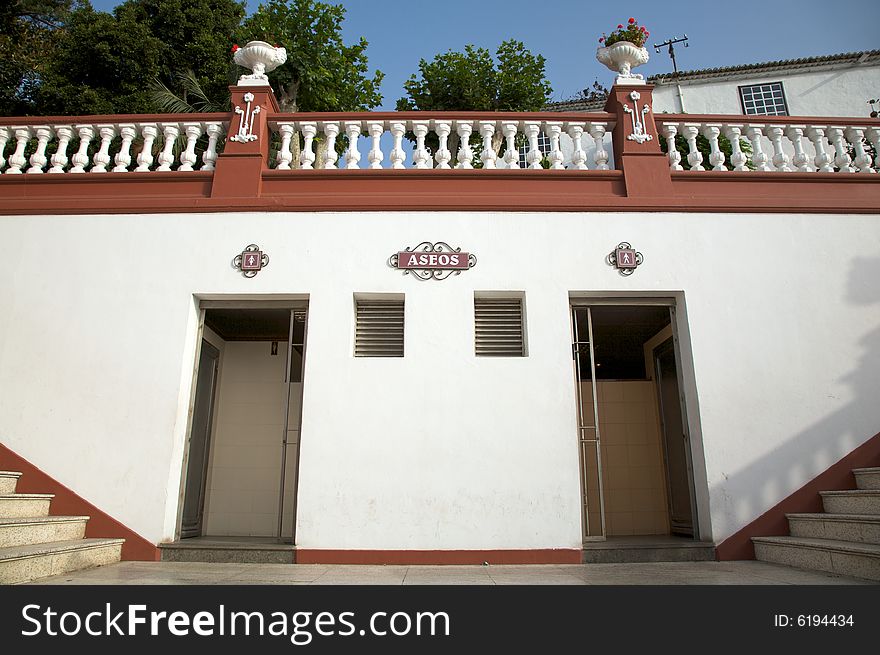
{"points": [[261, 58], [622, 57]]}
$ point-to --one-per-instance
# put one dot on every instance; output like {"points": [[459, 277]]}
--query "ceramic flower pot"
{"points": [[261, 58], [622, 57]]}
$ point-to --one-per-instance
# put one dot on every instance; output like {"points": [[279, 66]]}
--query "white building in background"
{"points": [[830, 85], [228, 344]]}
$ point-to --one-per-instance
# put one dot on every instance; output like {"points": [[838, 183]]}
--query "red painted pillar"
{"points": [[637, 151], [239, 172]]}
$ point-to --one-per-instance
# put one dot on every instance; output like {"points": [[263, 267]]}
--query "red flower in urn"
{"points": [[235, 47], [633, 33]]}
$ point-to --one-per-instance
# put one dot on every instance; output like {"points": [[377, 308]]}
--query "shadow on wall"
{"points": [[812, 451]]}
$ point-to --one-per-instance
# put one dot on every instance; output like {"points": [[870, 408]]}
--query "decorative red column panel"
{"points": [[240, 166], [636, 142]]}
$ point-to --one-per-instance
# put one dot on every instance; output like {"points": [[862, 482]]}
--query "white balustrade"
{"points": [[443, 144], [95, 147], [800, 147]]}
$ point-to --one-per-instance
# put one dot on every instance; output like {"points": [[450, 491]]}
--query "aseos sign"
{"points": [[435, 261]]}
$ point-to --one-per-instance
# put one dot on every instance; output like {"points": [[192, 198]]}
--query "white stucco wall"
{"points": [[837, 92], [438, 449]]}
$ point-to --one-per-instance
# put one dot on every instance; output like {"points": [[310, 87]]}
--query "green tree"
{"points": [[27, 31], [321, 72], [472, 81]]}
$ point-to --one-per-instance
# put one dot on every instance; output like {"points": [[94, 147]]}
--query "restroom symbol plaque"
{"points": [[251, 261], [624, 258]]}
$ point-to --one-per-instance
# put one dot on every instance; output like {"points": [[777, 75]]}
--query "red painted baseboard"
{"points": [[460, 557], [806, 499], [67, 503]]}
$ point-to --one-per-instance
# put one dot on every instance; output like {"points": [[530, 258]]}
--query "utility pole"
{"points": [[671, 42]]}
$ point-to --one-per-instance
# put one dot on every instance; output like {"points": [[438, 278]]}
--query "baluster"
{"points": [[578, 157], [759, 157], [284, 155], [716, 157], [862, 159], [554, 131], [487, 155], [842, 159], [188, 157], [822, 160], [331, 131], [873, 134], [376, 130], [465, 154], [737, 156], [669, 132], [352, 154], [59, 160], [443, 156], [695, 157], [38, 159], [102, 157], [801, 161], [511, 154], [780, 159], [307, 156], [166, 158], [17, 159], [214, 130], [534, 155], [123, 157], [421, 158], [4, 139], [145, 157], [398, 156], [600, 156], [80, 158]]}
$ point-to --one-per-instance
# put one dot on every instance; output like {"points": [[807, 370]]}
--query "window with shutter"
{"points": [[499, 327], [378, 328]]}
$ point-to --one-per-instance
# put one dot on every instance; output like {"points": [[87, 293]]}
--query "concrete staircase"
{"points": [[844, 539], [35, 545]]}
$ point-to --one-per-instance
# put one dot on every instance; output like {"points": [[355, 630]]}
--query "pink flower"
{"points": [[601, 39], [620, 27], [632, 20], [642, 28]]}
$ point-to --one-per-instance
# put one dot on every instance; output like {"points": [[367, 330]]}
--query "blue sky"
{"points": [[400, 32]]}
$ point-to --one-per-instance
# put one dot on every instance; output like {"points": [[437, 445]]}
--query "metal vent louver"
{"points": [[378, 328], [499, 327]]}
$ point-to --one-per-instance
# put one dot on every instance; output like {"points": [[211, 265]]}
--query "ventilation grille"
{"points": [[499, 327], [378, 328]]}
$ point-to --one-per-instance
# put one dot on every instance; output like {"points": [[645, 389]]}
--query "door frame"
{"points": [[215, 301], [675, 300]]}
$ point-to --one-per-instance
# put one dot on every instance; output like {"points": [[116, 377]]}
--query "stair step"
{"points": [[867, 478], [24, 505], [225, 552], [861, 528], [858, 560], [856, 501], [25, 563], [8, 480], [37, 530], [615, 551]]}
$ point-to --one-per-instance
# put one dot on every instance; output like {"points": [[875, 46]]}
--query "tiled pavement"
{"points": [[671, 573]]}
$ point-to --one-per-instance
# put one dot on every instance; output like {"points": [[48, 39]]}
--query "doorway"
{"points": [[243, 448], [635, 462]]}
